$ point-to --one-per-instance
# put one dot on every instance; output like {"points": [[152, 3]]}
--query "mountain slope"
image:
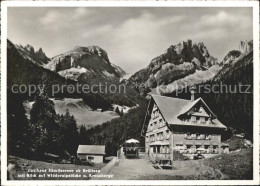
{"points": [[199, 76], [83, 114], [28, 52], [233, 60], [177, 62], [21, 70], [236, 59], [82, 63]]}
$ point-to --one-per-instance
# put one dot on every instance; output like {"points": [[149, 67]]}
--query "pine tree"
{"points": [[17, 124], [43, 124], [122, 112], [69, 132], [117, 111], [82, 134]]}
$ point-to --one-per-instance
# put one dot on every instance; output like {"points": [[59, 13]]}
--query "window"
{"points": [[215, 149], [152, 138], [208, 136], [160, 123], [196, 136], [155, 125], [155, 114], [193, 119], [161, 149], [193, 136], [187, 136], [167, 134], [90, 157], [202, 120], [167, 150]]}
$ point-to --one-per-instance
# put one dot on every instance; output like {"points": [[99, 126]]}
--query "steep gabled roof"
{"points": [[172, 108], [201, 114], [91, 149], [191, 104]]}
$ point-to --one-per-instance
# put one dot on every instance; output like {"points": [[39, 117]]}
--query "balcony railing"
{"points": [[162, 155], [198, 138]]}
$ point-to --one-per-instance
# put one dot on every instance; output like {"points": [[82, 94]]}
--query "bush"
{"points": [[79, 161]]}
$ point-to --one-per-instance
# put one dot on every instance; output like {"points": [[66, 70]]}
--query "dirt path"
{"points": [[133, 168], [141, 169]]}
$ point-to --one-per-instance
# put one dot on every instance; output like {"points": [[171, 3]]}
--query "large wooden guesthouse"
{"points": [[182, 125]]}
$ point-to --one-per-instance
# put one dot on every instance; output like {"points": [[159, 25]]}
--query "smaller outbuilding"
{"points": [[91, 153]]}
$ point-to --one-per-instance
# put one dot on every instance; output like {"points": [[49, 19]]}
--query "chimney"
{"points": [[192, 91]]}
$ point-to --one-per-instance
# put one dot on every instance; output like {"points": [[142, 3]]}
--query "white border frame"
{"points": [[6, 4]]}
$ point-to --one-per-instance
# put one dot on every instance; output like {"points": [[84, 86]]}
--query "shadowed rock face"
{"points": [[235, 59], [177, 62], [40, 56], [85, 61], [230, 57], [28, 52], [245, 46]]}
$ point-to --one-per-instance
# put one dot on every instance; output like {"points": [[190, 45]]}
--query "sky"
{"points": [[132, 36]]}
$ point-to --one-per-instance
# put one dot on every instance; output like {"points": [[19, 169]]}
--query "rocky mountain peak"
{"points": [[176, 62], [29, 52], [40, 51], [245, 46], [230, 57], [82, 62], [40, 55], [99, 51], [203, 49], [94, 50], [29, 48], [184, 52]]}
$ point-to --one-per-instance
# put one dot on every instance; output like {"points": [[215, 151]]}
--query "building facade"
{"points": [[91, 153], [186, 126]]}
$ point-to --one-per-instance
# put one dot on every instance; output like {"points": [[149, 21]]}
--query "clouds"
{"points": [[131, 36], [51, 17], [135, 39], [64, 18], [224, 19]]}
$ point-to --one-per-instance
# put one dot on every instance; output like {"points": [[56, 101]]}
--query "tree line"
{"points": [[114, 133], [44, 132]]}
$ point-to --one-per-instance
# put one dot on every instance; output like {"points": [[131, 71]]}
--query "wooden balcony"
{"points": [[162, 156]]}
